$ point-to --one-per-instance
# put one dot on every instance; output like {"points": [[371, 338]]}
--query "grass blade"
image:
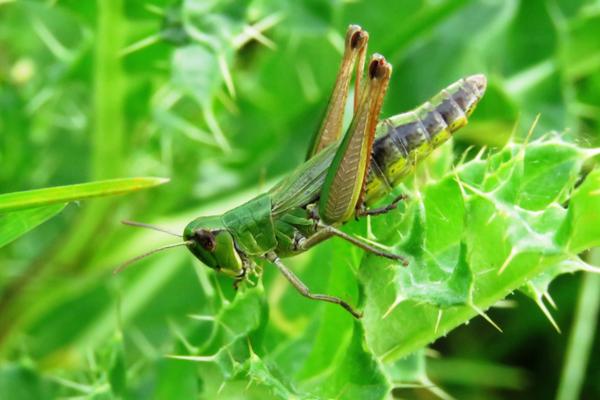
{"points": [[63, 194], [17, 223], [581, 339]]}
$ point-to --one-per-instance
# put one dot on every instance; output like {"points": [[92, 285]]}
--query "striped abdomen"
{"points": [[405, 139]]}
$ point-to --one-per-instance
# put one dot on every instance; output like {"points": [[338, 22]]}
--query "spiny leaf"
{"points": [[358, 374], [581, 228], [481, 233]]}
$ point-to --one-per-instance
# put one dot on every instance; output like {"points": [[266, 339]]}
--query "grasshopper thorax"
{"points": [[212, 244]]}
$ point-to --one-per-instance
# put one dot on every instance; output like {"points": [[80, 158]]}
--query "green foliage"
{"points": [[223, 96], [17, 223], [22, 211], [481, 232]]}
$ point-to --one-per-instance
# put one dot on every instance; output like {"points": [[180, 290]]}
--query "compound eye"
{"points": [[205, 239]]}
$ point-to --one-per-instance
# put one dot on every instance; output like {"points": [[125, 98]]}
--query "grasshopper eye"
{"points": [[205, 239]]}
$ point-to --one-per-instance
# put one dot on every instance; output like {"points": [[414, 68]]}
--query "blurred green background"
{"points": [[222, 96]]}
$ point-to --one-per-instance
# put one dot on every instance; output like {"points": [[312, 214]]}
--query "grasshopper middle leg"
{"points": [[329, 230], [363, 211]]}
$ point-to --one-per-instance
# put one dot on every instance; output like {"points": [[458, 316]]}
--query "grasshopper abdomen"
{"points": [[405, 139]]}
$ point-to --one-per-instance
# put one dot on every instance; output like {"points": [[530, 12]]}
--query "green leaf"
{"points": [[548, 174], [479, 235], [17, 223], [175, 379], [334, 328], [409, 369], [196, 72], [581, 229], [260, 372], [359, 374], [22, 383], [62, 194], [117, 368]]}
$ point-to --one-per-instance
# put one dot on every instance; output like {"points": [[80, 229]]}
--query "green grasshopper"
{"points": [[340, 179]]}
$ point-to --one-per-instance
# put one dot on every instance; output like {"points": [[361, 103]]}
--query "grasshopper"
{"points": [[341, 179]]}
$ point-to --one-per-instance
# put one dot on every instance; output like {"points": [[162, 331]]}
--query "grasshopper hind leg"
{"points": [[332, 124], [343, 189]]}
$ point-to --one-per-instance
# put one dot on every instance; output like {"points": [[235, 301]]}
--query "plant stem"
{"points": [[581, 337], [107, 137]]}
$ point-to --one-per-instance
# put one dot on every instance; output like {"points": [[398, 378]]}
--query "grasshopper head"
{"points": [[213, 245]]}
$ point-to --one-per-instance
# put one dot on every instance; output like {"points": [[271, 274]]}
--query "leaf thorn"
{"points": [[542, 306], [437, 322], [550, 300], [486, 317], [191, 358], [399, 299], [508, 260]]}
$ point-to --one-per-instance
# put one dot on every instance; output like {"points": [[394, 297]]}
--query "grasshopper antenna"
{"points": [[127, 263], [148, 226]]}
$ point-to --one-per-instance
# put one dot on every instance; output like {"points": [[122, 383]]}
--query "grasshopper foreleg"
{"points": [[304, 290], [241, 277], [249, 268]]}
